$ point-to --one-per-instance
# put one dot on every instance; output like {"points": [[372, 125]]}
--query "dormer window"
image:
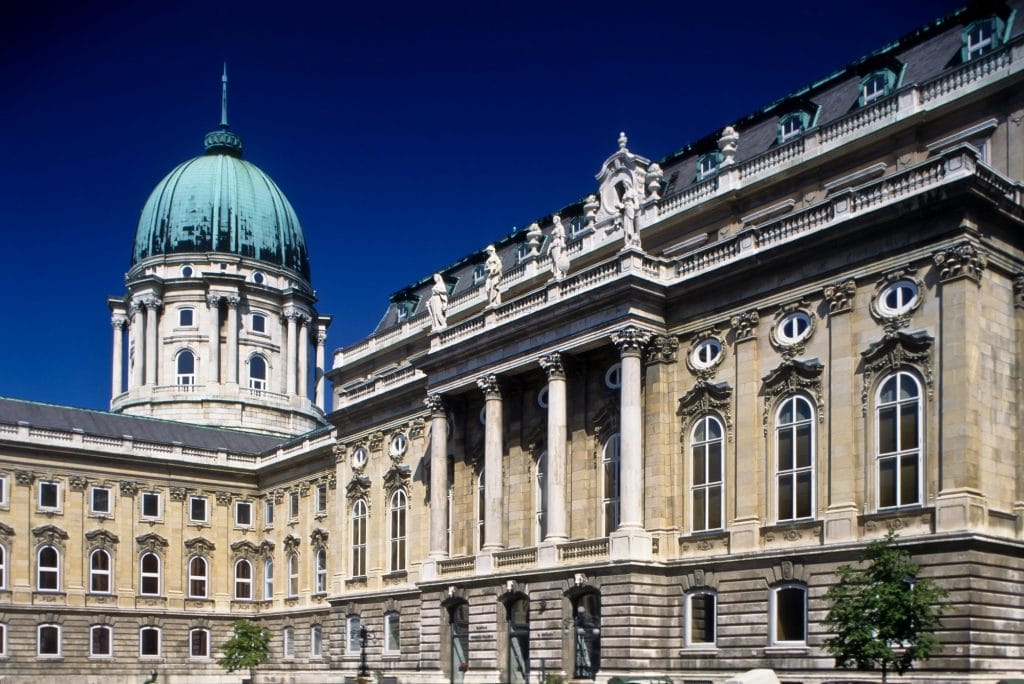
{"points": [[522, 253], [479, 274], [982, 37], [707, 164], [876, 85], [406, 308], [792, 125], [258, 323]]}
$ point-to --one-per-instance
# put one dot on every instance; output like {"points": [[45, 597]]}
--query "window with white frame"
{"points": [[392, 632], [288, 636], [353, 643], [243, 514], [257, 373], [150, 505], [3, 566], [48, 641], [268, 511], [320, 572], [186, 317], [185, 367], [399, 444], [707, 164], [316, 641], [898, 298], [788, 615], [794, 446], [198, 509], [479, 274], [791, 126], [198, 570], [48, 568], [293, 506], [3, 490], [100, 500], [701, 617], [876, 85], [706, 484], [243, 580], [706, 353], [49, 496], [481, 508], [101, 641], [982, 37], [320, 499], [611, 461], [149, 574], [3, 640], [293, 575], [268, 579], [199, 643], [898, 441], [540, 497], [399, 505], [149, 642], [258, 323], [99, 572], [359, 538], [793, 327]]}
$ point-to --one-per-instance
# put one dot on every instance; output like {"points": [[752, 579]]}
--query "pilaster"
{"points": [[842, 461], [745, 468]]}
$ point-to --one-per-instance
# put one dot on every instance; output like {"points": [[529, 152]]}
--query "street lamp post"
{"points": [[363, 637]]}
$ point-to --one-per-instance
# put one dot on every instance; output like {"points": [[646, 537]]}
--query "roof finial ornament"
{"points": [[224, 98], [222, 140], [622, 140]]}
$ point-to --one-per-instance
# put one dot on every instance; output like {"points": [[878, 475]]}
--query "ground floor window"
{"points": [[587, 633]]}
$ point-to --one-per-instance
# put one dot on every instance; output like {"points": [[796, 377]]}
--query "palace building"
{"points": [[639, 435]]}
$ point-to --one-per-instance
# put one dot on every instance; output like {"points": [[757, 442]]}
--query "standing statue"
{"points": [[437, 305], [557, 252], [628, 207], [492, 267]]}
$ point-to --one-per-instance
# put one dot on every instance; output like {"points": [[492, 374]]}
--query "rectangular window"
{"points": [[289, 642], [150, 505], [199, 643], [3, 640], [268, 511], [259, 323], [293, 505], [149, 642], [789, 608], [185, 318], [49, 496], [100, 500], [392, 629], [316, 644], [48, 641], [3, 490], [354, 641], [321, 498], [100, 641], [700, 619], [243, 514], [197, 509]]}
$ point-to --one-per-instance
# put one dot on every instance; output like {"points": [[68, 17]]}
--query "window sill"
{"points": [[699, 650], [50, 658], [782, 650], [100, 515], [395, 575]]}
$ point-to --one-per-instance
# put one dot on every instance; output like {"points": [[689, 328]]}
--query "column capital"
{"points": [[213, 300], [839, 296], [962, 260], [552, 365], [232, 301], [488, 384], [435, 404], [118, 321], [744, 325], [662, 349], [631, 340], [291, 313], [150, 302], [321, 335]]}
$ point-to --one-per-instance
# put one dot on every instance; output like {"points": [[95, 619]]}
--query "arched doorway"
{"points": [[586, 610]]}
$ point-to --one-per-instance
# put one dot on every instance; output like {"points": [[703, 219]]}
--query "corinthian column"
{"points": [[136, 345], [318, 391], [291, 316], [213, 372], [631, 342], [116, 381], [438, 477], [232, 359], [493, 448], [303, 377], [152, 305], [557, 530]]}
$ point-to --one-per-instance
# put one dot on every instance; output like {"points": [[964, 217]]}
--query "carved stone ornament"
{"points": [[894, 352], [631, 340], [790, 377], [375, 441], [77, 483], [128, 488], [416, 428], [705, 397], [102, 539], [199, 545], [435, 404], [590, 209], [840, 296], [223, 498], [24, 478], [245, 549], [266, 547], [620, 171], [892, 323], [50, 534], [151, 541], [304, 489], [339, 450], [789, 349], [705, 371], [397, 477], [552, 365], [318, 537], [357, 488], [962, 260], [291, 543], [488, 384], [1018, 291], [332, 481], [6, 531], [662, 349], [728, 141], [744, 325]]}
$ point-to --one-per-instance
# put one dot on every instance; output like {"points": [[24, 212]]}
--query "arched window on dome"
{"points": [[185, 365], [257, 373]]}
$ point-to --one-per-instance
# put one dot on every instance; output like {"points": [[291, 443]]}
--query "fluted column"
{"points": [[438, 477], [232, 374], [554, 483], [213, 368], [318, 391], [152, 306], [116, 380], [493, 448], [631, 342], [136, 345], [303, 377], [291, 316]]}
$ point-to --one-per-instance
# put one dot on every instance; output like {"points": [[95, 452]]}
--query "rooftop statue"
{"points": [[493, 269], [437, 305], [557, 252], [627, 206]]}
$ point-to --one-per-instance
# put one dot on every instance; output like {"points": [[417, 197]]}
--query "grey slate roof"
{"points": [[103, 424]]}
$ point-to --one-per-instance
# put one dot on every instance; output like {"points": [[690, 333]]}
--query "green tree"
{"points": [[247, 649], [882, 615]]}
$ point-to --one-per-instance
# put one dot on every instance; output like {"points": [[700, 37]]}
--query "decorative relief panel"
{"points": [[103, 539], [50, 534], [744, 325], [199, 545], [702, 398], [151, 542], [840, 296], [244, 549], [962, 260], [894, 352]]}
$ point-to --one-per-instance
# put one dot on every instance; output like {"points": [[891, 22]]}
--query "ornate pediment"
{"points": [[151, 541], [396, 478], [245, 548], [897, 351], [200, 545], [357, 488], [266, 547], [102, 538], [291, 542], [318, 537], [6, 531], [621, 172], [705, 397], [789, 377], [50, 534]]}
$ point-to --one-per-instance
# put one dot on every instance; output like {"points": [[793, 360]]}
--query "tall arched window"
{"points": [[197, 576], [149, 574], [587, 627], [293, 575], [186, 368], [794, 442], [320, 580], [399, 505], [481, 508], [243, 580], [257, 373], [898, 440], [268, 579], [610, 489], [99, 572], [3, 567], [706, 485], [359, 539], [540, 497], [48, 569]]}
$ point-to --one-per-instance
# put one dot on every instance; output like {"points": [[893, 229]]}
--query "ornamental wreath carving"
{"points": [[702, 398], [789, 377], [898, 351]]}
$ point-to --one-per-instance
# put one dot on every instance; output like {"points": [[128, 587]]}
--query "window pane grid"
{"points": [[898, 438], [706, 486], [794, 445]]}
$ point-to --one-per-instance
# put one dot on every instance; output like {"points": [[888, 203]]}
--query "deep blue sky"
{"points": [[406, 135]]}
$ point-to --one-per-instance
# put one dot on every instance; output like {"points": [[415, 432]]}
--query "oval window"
{"points": [[613, 376], [707, 353], [359, 457], [898, 298], [398, 444], [794, 327]]}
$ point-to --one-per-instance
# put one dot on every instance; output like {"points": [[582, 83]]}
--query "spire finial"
{"points": [[224, 98]]}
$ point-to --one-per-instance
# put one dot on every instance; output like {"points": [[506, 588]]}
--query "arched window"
{"points": [[788, 614], [48, 569], [243, 580], [701, 617], [794, 443], [3, 567], [199, 643], [399, 505], [186, 368], [293, 575], [610, 483], [320, 580], [392, 632], [706, 486], [359, 539], [149, 642], [518, 616], [481, 508], [48, 641], [197, 576], [898, 440], [540, 497], [149, 574], [99, 572], [587, 627], [101, 641], [257, 373], [268, 580]]}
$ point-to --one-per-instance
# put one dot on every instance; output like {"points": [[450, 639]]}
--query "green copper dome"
{"points": [[221, 203]]}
